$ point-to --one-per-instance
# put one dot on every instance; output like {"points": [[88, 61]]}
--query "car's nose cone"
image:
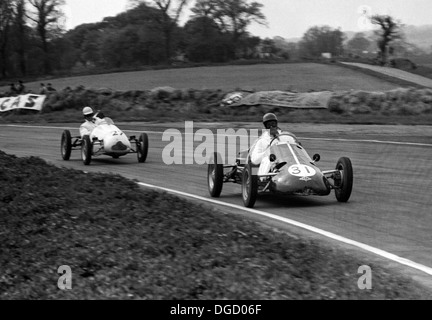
{"points": [[287, 183], [119, 146]]}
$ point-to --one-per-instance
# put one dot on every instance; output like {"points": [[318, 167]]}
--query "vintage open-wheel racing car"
{"points": [[105, 139], [293, 172]]}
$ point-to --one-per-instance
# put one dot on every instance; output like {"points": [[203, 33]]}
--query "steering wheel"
{"points": [[275, 137], [282, 134]]}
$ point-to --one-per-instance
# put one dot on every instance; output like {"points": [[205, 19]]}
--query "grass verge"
{"points": [[125, 242]]}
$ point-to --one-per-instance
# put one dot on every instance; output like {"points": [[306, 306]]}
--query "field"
{"points": [[301, 77], [359, 95]]}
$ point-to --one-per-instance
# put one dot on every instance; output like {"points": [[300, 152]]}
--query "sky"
{"points": [[285, 18]]}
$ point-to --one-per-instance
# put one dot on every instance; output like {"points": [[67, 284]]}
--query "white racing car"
{"points": [[105, 139]]}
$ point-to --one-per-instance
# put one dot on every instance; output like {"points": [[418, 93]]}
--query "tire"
{"points": [[66, 145], [346, 180], [249, 187], [86, 150], [215, 177], [142, 147]]}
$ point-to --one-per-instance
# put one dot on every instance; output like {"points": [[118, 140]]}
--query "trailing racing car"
{"points": [[292, 172], [105, 139]]}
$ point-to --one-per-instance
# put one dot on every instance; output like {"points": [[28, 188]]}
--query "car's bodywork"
{"points": [[292, 172], [105, 139]]}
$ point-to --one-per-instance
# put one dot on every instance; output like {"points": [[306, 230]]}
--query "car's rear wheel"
{"points": [[344, 181], [215, 176], [142, 147], [249, 186], [86, 150], [66, 145]]}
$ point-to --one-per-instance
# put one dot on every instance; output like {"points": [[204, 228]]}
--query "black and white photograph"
{"points": [[216, 158]]}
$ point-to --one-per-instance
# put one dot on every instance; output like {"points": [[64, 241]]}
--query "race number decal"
{"points": [[301, 170]]}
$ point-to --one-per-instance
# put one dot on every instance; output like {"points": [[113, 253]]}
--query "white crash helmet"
{"points": [[87, 111]]}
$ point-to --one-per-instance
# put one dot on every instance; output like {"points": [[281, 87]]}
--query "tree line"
{"points": [[33, 40]]}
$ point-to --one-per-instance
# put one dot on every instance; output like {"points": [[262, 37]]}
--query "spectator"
{"points": [[50, 88], [43, 89], [12, 91], [20, 87]]}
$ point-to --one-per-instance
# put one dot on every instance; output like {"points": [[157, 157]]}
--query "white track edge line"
{"points": [[301, 138], [327, 234]]}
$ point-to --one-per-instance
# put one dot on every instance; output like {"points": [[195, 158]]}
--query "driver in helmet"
{"points": [[260, 154], [89, 124]]}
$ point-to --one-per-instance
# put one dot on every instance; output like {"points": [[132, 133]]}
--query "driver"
{"points": [[261, 149], [89, 124], [92, 120]]}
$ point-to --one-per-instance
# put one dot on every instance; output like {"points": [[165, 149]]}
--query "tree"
{"points": [[358, 43], [269, 47], [90, 47], [20, 31], [232, 16], [286, 50], [206, 42], [47, 14], [167, 18], [6, 15], [390, 31], [128, 39], [322, 39]]}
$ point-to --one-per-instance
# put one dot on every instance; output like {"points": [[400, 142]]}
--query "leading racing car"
{"points": [[105, 139], [293, 172]]}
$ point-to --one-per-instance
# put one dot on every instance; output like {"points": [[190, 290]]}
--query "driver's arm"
{"points": [[84, 130], [260, 151]]}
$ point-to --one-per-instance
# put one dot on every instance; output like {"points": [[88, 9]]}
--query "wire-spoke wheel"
{"points": [[249, 186], [86, 150], [344, 182], [142, 147], [66, 145], [215, 177]]}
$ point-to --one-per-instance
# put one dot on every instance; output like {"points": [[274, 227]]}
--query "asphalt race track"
{"points": [[390, 207]]}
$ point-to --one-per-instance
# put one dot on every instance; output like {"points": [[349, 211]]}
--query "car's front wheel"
{"points": [[66, 145], [215, 176], [344, 181], [86, 150], [249, 186], [142, 147]]}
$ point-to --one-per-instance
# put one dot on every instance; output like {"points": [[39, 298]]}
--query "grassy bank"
{"points": [[124, 242], [409, 106], [360, 96]]}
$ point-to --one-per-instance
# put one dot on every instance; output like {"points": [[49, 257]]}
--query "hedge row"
{"points": [[402, 101], [168, 104]]}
